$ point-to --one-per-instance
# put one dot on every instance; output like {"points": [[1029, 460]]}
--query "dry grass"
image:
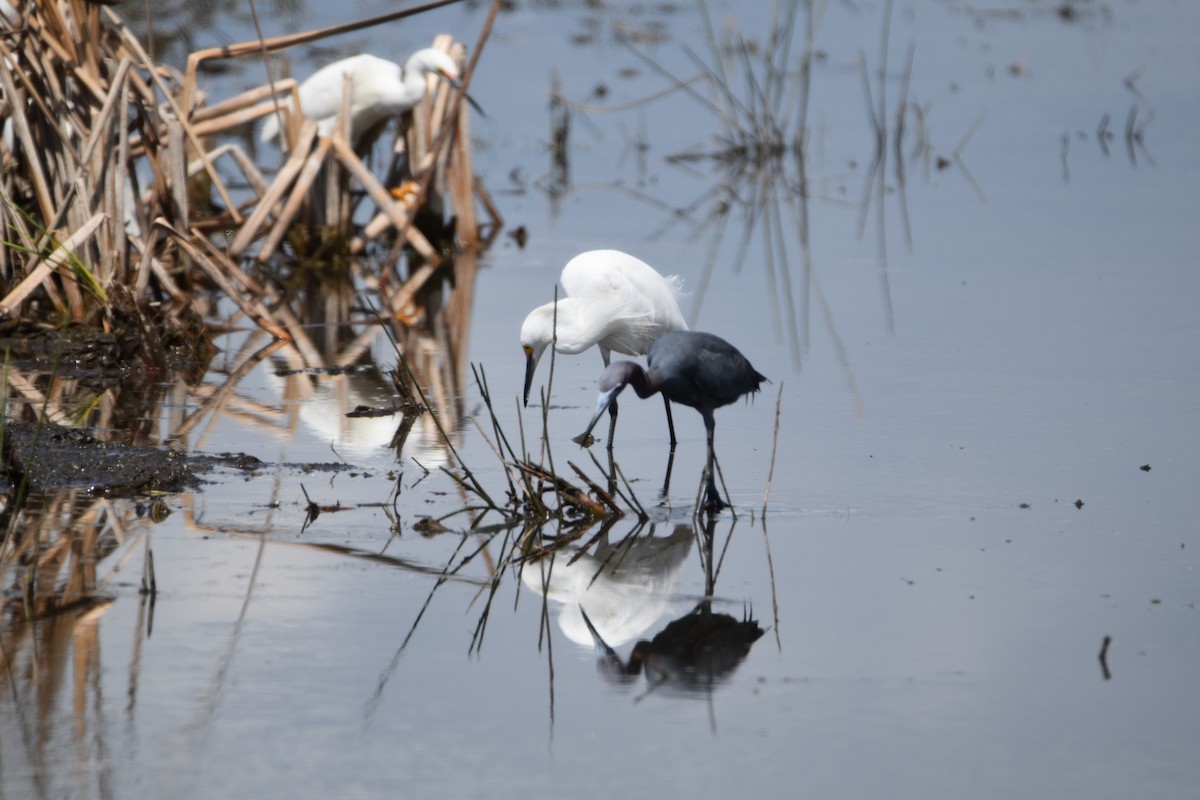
{"points": [[127, 201], [110, 176]]}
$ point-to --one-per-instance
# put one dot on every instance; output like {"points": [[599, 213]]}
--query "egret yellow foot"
{"points": [[408, 190]]}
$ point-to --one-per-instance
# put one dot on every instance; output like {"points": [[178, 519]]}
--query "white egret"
{"points": [[379, 89], [696, 369], [615, 301]]}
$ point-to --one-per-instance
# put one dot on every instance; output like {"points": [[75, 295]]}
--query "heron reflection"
{"points": [[693, 653]]}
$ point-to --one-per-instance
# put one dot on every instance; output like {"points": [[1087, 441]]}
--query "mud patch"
{"points": [[53, 457]]}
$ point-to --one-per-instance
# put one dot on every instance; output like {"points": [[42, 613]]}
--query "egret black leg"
{"points": [[612, 473], [612, 422], [670, 422], [612, 407]]}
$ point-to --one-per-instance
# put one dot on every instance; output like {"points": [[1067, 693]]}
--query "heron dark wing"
{"points": [[724, 375], [702, 370]]}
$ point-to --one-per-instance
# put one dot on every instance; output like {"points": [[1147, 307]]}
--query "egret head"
{"points": [[439, 63], [537, 332], [433, 60]]}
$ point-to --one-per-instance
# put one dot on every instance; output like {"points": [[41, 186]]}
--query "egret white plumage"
{"points": [[614, 301], [379, 89], [696, 369]]}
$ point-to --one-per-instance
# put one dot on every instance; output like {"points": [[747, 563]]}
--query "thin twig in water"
{"points": [[501, 439], [376, 698], [771, 574], [774, 449]]}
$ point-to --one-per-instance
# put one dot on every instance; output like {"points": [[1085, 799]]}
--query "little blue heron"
{"points": [[379, 89], [613, 300], [693, 652], [696, 369]]}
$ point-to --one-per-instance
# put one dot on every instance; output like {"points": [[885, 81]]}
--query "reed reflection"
{"points": [[331, 379], [57, 569]]}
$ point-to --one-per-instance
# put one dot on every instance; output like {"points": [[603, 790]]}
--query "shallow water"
{"points": [[934, 597]]}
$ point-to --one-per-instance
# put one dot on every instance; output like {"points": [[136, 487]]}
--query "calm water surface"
{"points": [[1010, 331]]}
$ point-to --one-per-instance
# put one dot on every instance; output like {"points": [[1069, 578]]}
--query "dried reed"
{"points": [[109, 172]]}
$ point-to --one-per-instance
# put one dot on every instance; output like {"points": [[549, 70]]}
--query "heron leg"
{"points": [[670, 422], [666, 487], [712, 498]]}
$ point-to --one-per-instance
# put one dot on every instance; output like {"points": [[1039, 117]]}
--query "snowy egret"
{"points": [[615, 301], [696, 369], [379, 89]]}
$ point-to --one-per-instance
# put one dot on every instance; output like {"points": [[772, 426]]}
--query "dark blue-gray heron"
{"points": [[689, 367]]}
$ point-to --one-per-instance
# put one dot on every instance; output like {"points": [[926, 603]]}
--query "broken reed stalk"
{"points": [[395, 212], [604, 496], [254, 309], [59, 256], [567, 495], [277, 43], [503, 444], [632, 495], [564, 489], [631, 498], [449, 125], [73, 89], [308, 173], [282, 183], [774, 449]]}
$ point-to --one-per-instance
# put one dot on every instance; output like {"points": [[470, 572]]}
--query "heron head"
{"points": [[614, 378]]}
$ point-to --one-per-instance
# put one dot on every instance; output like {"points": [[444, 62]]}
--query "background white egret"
{"points": [[615, 301], [380, 89]]}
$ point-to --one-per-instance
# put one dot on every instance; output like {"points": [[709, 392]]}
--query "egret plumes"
{"points": [[379, 89], [614, 301], [688, 367]]}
